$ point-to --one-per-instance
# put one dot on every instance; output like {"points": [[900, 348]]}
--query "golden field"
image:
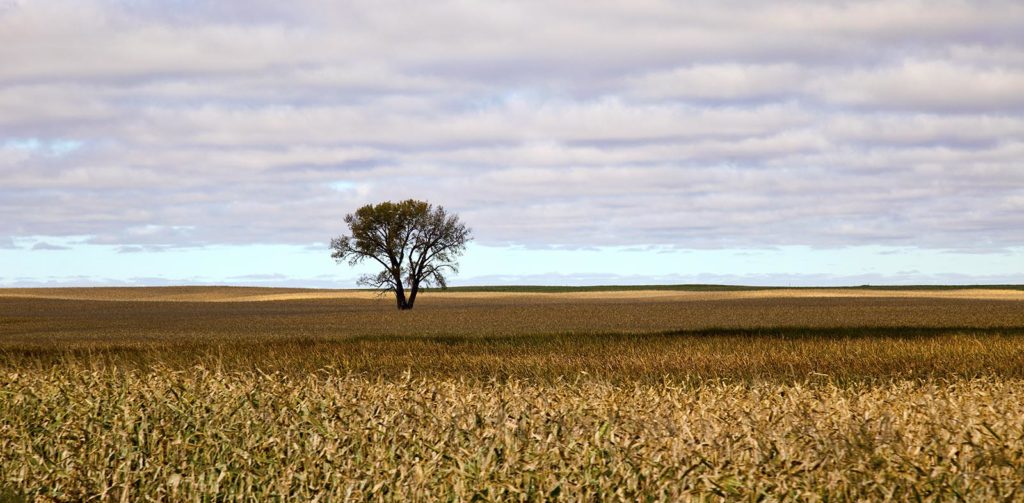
{"points": [[254, 394], [74, 434]]}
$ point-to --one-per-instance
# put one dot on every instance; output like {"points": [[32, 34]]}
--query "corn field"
{"points": [[75, 434], [814, 399]]}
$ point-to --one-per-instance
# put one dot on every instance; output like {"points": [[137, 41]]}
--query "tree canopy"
{"points": [[415, 242]]}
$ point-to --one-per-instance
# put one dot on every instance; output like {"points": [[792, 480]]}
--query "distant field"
{"points": [[618, 334], [718, 288], [189, 392], [231, 294]]}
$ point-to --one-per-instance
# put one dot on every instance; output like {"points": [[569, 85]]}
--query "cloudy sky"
{"points": [[156, 142]]}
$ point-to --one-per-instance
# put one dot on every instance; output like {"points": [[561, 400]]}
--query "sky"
{"points": [[584, 142]]}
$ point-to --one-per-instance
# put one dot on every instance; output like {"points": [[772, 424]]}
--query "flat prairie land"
{"points": [[647, 334], [193, 393]]}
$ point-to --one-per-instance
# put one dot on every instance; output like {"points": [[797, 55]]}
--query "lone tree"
{"points": [[416, 242]]}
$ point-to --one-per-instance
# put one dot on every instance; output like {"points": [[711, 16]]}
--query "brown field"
{"points": [[630, 335], [256, 294], [246, 393]]}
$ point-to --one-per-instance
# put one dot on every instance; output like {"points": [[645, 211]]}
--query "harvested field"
{"points": [[61, 315], [258, 394], [636, 335]]}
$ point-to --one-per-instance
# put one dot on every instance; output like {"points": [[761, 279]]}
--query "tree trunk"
{"points": [[412, 294], [400, 297], [401, 302]]}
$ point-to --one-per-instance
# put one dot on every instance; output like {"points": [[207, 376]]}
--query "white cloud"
{"points": [[44, 246], [720, 81], [545, 124], [927, 85], [920, 129]]}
